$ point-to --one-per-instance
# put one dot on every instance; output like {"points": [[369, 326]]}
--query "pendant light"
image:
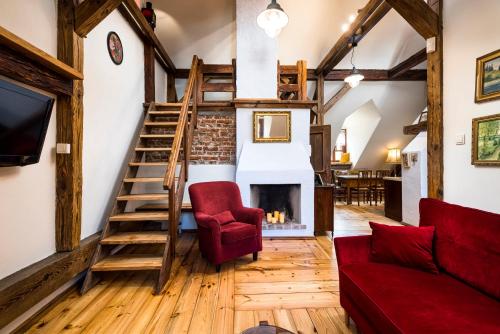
{"points": [[273, 19], [355, 77]]}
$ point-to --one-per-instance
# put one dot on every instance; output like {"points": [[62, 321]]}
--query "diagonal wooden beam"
{"points": [[366, 19], [90, 13], [336, 98], [408, 64], [419, 15]]}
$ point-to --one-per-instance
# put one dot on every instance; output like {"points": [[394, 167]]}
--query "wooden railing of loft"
{"points": [[183, 136], [292, 81]]}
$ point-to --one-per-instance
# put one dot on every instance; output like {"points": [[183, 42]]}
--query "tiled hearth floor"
{"points": [[294, 284]]}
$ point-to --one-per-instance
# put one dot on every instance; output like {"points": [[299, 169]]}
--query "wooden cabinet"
{"points": [[323, 209], [320, 140], [393, 198]]}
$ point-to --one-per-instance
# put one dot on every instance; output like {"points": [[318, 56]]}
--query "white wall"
{"points": [[160, 83], [27, 194], [470, 31]]}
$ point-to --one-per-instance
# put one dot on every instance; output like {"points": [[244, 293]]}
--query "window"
{"points": [[340, 145]]}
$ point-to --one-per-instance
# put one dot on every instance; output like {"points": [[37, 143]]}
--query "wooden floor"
{"points": [[294, 285]]}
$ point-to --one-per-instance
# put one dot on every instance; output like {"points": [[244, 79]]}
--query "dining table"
{"points": [[350, 181]]}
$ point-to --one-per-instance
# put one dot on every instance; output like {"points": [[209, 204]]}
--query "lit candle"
{"points": [[273, 220], [282, 218], [277, 215], [269, 217]]}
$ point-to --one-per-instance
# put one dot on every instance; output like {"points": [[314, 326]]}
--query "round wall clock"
{"points": [[115, 48]]}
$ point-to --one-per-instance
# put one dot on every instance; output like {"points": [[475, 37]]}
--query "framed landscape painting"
{"points": [[488, 77], [486, 141]]}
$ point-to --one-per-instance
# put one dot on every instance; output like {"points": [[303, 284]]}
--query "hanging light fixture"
{"points": [[355, 77], [273, 19]]}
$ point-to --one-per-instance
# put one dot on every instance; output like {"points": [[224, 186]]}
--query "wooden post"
{"points": [[320, 89], [435, 115], [149, 72], [70, 131], [302, 79], [171, 94]]}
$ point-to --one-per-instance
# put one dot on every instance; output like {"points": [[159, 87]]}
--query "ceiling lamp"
{"points": [[273, 19], [355, 77]]}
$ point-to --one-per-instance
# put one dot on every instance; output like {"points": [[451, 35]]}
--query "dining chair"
{"points": [[363, 186], [378, 190], [340, 191]]}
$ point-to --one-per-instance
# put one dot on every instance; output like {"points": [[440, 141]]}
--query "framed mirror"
{"points": [[271, 126]]}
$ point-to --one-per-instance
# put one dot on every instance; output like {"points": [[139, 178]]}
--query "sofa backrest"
{"points": [[214, 197], [466, 243]]}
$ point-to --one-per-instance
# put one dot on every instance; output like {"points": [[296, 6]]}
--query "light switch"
{"points": [[460, 139], [62, 148], [431, 45]]}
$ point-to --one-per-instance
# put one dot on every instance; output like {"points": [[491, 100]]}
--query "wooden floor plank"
{"points": [[286, 287], [302, 321], [286, 275], [286, 300], [263, 315], [327, 322], [284, 319], [261, 265], [224, 316], [243, 320]]}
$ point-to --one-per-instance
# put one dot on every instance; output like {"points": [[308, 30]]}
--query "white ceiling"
{"points": [[207, 28]]}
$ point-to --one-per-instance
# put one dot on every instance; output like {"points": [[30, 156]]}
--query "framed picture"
{"points": [[405, 160], [271, 126], [486, 141], [115, 48], [488, 77]]}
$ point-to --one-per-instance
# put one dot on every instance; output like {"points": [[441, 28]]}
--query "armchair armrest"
{"points": [[249, 215], [352, 249], [207, 221]]}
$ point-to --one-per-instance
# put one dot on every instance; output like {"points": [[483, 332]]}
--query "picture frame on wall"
{"points": [[488, 77], [486, 141]]}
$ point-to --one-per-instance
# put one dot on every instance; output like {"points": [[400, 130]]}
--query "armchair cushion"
{"points": [[225, 217], [236, 231], [404, 245]]}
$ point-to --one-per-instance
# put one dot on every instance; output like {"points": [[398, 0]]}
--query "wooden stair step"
{"points": [[157, 136], [153, 149], [129, 262], [139, 216], [147, 164], [143, 179], [143, 197], [168, 104], [166, 112], [160, 124], [162, 207], [132, 238]]}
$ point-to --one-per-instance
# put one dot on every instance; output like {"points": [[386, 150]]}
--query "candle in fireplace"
{"points": [[282, 218], [269, 217]]}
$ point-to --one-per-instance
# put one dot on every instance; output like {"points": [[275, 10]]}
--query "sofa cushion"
{"points": [[467, 243], [225, 217], [236, 231], [408, 246], [404, 300]]}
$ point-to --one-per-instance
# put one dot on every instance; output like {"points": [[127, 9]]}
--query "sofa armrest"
{"points": [[249, 215], [352, 249], [207, 221]]}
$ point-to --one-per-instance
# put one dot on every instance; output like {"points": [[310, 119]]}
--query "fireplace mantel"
{"points": [[273, 103]]}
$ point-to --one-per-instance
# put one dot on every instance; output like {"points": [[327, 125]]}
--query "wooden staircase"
{"points": [[145, 240]]}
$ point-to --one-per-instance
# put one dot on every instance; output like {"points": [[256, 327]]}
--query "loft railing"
{"points": [[183, 138]]}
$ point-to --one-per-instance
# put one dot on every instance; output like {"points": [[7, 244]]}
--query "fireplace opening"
{"points": [[280, 199]]}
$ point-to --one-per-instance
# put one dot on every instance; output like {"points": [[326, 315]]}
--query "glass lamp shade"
{"points": [[273, 19], [393, 156], [354, 78]]}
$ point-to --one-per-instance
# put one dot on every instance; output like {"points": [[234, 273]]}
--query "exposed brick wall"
{"points": [[214, 141]]}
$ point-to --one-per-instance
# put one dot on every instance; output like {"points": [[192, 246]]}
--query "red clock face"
{"points": [[115, 48]]}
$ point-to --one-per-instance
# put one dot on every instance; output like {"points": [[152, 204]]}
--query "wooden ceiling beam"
{"points": [[372, 75], [366, 19], [419, 15], [408, 64], [336, 98], [90, 13]]}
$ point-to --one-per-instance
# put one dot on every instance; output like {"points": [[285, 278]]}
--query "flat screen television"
{"points": [[24, 118]]}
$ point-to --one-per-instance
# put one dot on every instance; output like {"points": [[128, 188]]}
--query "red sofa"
{"points": [[221, 241], [463, 298]]}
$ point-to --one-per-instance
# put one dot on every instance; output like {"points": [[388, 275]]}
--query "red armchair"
{"points": [[223, 239]]}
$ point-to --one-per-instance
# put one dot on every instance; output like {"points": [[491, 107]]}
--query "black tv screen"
{"points": [[24, 118]]}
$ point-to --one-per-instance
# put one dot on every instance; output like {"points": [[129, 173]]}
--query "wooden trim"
{"points": [[90, 13], [408, 64], [372, 75], [69, 130], [25, 288], [419, 15], [273, 103], [130, 10], [366, 19], [149, 72], [20, 68], [320, 97], [30, 51]]}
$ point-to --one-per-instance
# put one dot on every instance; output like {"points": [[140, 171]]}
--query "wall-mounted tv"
{"points": [[24, 118]]}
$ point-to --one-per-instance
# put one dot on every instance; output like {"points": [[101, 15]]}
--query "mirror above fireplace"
{"points": [[271, 126]]}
